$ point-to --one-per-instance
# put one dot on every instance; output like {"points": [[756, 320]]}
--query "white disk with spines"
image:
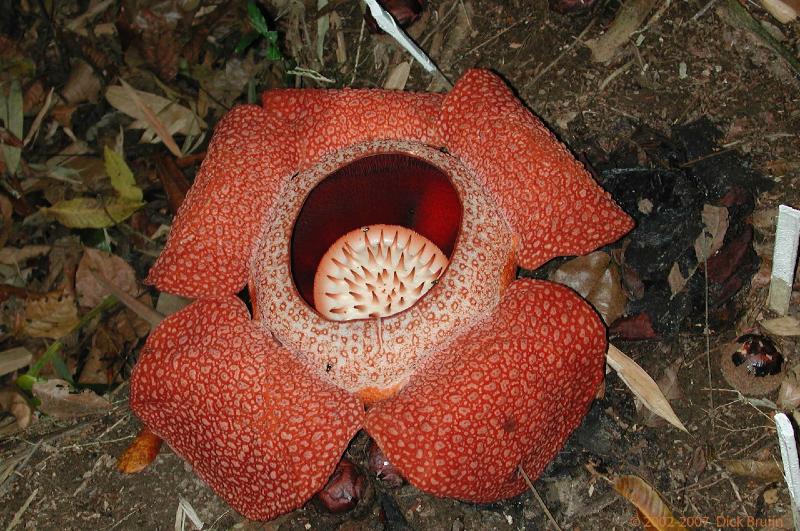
{"points": [[376, 271]]}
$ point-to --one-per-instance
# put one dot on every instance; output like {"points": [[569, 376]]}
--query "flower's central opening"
{"points": [[376, 234]]}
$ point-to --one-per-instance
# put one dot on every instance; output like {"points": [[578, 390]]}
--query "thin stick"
{"points": [[358, 52], [538, 498], [496, 36], [18, 515], [707, 333]]}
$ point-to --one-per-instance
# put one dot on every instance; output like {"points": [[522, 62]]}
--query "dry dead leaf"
{"points": [[789, 393], [83, 84], [784, 11], [398, 76], [676, 279], [142, 451], [649, 503], [761, 470], [786, 326], [715, 226], [60, 401], [115, 269], [52, 316], [670, 387], [13, 402], [597, 279], [16, 256], [175, 118], [14, 359], [643, 387], [168, 304], [6, 213], [111, 341], [628, 19]]}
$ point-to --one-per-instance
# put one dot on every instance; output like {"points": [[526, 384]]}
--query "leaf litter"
{"points": [[89, 185]]}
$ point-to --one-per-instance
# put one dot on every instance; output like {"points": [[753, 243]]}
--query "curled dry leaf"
{"points": [[90, 291], [597, 279], [769, 470], [649, 503], [13, 402], [60, 401], [52, 316], [142, 451], [643, 387]]}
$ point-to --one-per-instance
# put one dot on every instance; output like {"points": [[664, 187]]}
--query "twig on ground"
{"points": [[538, 498], [18, 514]]}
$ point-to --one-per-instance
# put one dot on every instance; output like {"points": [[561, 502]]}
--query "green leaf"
{"points": [[274, 53], [246, 40], [90, 213], [62, 370], [26, 381], [257, 19], [121, 176]]}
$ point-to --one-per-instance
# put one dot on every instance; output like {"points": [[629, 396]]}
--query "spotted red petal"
{"points": [[255, 424], [208, 251], [327, 120], [506, 394], [549, 198]]}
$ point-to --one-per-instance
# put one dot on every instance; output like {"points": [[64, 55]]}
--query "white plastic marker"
{"points": [[791, 466], [388, 24], [784, 259]]}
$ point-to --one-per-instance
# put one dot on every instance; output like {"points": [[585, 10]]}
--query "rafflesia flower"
{"points": [[378, 234]]}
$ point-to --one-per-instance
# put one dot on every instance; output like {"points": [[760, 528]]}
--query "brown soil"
{"points": [[686, 63]]}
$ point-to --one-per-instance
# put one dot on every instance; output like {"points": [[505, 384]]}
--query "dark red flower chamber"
{"points": [[379, 234]]}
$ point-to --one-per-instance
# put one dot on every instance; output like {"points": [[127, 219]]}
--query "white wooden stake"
{"points": [[791, 465], [784, 259]]}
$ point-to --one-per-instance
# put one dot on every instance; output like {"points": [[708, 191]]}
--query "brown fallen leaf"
{"points": [[14, 359], [115, 269], [782, 326], [642, 385], [112, 341], [648, 501], [16, 256], [715, 226], [83, 84], [670, 387], [789, 393], [58, 400], [761, 470], [52, 316], [13, 402], [6, 212], [173, 180], [142, 451], [597, 279], [676, 280]]}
